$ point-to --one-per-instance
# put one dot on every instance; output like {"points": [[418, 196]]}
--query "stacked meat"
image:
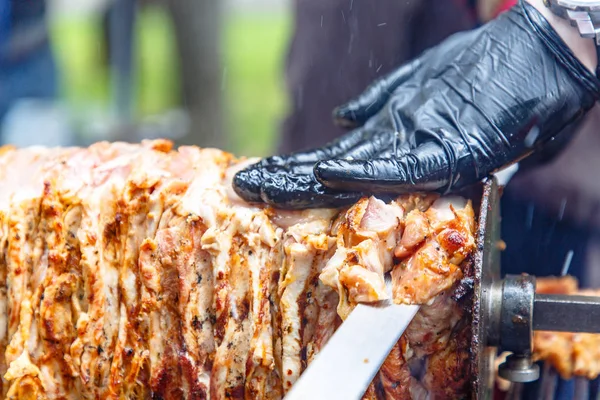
{"points": [[134, 271]]}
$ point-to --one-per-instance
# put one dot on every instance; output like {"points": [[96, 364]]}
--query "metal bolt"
{"points": [[519, 368]]}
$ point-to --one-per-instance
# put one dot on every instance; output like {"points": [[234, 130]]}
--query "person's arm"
{"points": [[583, 48]]}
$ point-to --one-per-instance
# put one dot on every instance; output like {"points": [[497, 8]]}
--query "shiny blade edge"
{"points": [[346, 365]]}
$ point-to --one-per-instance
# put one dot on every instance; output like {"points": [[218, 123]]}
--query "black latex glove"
{"points": [[477, 102]]}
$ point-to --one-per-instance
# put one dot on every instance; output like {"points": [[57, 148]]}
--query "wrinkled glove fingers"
{"points": [[425, 168], [248, 182], [358, 111], [293, 186], [303, 192], [379, 145], [330, 150]]}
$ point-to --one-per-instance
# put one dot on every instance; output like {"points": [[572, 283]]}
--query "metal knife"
{"points": [[346, 365]]}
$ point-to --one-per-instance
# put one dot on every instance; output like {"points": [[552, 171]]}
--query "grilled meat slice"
{"points": [[366, 236], [448, 231], [447, 373], [432, 327], [305, 247], [395, 373]]}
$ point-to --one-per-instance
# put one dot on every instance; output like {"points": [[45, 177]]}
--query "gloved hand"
{"points": [[474, 104]]}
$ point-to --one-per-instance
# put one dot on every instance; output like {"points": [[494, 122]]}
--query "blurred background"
{"points": [[206, 72]]}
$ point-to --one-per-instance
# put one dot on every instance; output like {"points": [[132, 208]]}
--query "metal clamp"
{"points": [[516, 311], [511, 318], [516, 314], [506, 311]]}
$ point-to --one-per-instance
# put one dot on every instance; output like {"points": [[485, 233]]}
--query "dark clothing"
{"points": [[555, 208], [340, 46], [538, 241], [27, 66], [35, 77], [23, 11], [23, 29]]}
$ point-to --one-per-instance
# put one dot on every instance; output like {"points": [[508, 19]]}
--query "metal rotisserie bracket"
{"points": [[507, 311]]}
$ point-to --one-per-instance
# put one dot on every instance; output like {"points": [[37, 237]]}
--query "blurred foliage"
{"points": [[158, 80], [253, 52], [82, 60], [255, 47]]}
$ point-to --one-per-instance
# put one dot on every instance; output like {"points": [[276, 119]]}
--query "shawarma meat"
{"points": [[134, 271]]}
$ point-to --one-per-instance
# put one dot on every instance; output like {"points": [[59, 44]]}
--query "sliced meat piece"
{"points": [[586, 355], [303, 264], [417, 201], [448, 373], [263, 258], [416, 231], [363, 286], [328, 320], [101, 253], [424, 275], [232, 307], [40, 244], [23, 251], [366, 238], [435, 266], [380, 218], [395, 374], [432, 326]]}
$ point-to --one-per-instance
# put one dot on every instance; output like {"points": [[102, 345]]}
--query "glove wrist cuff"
{"points": [[560, 50]]}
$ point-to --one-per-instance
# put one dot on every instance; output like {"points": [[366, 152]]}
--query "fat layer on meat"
{"points": [[133, 271]]}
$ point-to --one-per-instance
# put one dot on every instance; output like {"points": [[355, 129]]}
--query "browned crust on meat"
{"points": [[129, 271], [448, 373], [395, 373]]}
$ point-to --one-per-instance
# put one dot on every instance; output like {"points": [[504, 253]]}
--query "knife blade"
{"points": [[346, 365]]}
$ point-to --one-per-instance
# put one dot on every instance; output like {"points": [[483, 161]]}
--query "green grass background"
{"points": [[254, 46]]}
